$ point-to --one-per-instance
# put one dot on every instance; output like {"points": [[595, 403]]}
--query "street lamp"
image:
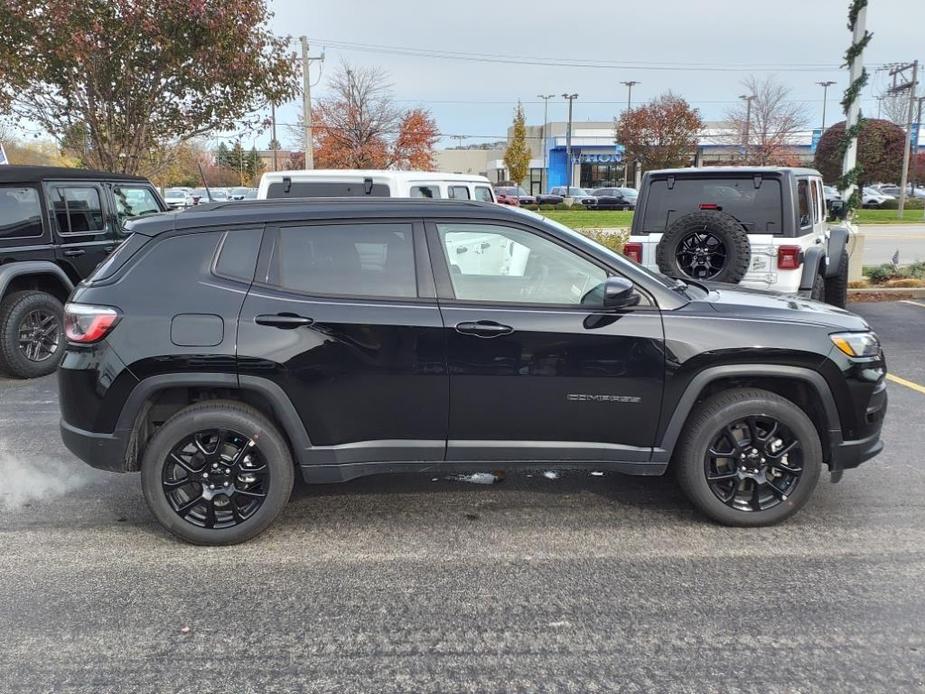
{"points": [[825, 94], [568, 145], [748, 120], [629, 103], [545, 98]]}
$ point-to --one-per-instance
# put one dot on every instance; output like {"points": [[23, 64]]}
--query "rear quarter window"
{"points": [[759, 209], [237, 255], [20, 212]]}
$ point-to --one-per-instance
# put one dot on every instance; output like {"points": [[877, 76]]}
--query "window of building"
{"points": [[78, 210], [346, 260], [425, 192], [458, 192], [20, 213], [507, 265]]}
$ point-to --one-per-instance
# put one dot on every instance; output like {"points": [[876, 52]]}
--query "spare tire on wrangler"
{"points": [[706, 245]]}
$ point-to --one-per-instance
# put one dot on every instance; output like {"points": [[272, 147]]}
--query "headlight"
{"points": [[857, 344]]}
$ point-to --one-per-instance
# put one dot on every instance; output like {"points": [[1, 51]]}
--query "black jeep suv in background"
{"points": [[222, 349], [56, 226]]}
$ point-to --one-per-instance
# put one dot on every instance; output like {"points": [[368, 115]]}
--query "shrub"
{"points": [[887, 273], [613, 240]]}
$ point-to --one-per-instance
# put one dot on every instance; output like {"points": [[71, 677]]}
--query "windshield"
{"points": [[506, 190], [758, 209]]}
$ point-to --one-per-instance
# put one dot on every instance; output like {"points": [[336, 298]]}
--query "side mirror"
{"points": [[619, 292], [838, 210]]}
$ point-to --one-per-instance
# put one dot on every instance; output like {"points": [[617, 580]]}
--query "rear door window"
{"points": [[326, 189], [77, 209], [20, 212], [483, 193], [348, 260], [758, 209], [458, 192], [425, 192]]}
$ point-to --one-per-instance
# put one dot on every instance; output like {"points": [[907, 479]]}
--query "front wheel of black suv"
{"points": [[748, 457], [31, 334], [217, 473]]}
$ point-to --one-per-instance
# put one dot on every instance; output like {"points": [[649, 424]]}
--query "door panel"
{"points": [[82, 223], [584, 380], [366, 374]]}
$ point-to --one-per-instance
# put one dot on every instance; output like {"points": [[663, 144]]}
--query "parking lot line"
{"points": [[912, 303], [909, 384]]}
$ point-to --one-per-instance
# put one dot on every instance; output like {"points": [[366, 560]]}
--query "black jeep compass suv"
{"points": [[221, 349]]}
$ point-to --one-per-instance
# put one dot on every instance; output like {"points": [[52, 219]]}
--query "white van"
{"points": [[339, 183]]}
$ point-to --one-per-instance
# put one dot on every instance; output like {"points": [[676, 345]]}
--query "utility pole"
{"points": [[825, 94], [629, 104], [748, 121], [898, 73], [568, 145], [545, 98], [915, 145], [274, 145], [307, 102]]}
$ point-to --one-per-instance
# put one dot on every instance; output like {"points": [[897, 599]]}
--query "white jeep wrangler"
{"points": [[761, 227]]}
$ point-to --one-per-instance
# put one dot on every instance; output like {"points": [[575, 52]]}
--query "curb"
{"points": [[886, 293]]}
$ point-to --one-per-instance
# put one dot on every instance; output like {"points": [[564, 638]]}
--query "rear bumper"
{"points": [[102, 451]]}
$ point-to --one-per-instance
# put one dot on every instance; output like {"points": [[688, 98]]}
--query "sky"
{"points": [[698, 49]]}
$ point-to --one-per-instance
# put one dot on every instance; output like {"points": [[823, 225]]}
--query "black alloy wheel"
{"points": [[216, 478], [701, 255], [754, 464], [39, 335]]}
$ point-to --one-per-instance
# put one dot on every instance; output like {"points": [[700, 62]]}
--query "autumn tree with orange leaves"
{"points": [[660, 134], [358, 126]]}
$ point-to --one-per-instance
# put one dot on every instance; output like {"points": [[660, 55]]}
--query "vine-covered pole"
{"points": [[851, 103]]}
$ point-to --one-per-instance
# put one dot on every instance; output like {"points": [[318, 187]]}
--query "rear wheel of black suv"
{"points": [[217, 473], [31, 334], [748, 457]]}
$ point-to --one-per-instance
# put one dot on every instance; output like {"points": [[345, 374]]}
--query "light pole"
{"points": [[568, 145], [825, 93], [545, 98], [629, 104], [748, 120]]}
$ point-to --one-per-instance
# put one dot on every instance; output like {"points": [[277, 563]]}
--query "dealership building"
{"points": [[596, 160]]}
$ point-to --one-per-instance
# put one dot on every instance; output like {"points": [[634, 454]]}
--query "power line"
{"points": [[444, 54]]}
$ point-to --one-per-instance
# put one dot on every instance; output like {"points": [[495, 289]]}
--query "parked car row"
{"points": [[181, 197], [611, 198]]}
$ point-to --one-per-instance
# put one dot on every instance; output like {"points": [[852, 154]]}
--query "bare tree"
{"points": [[774, 125], [894, 107]]}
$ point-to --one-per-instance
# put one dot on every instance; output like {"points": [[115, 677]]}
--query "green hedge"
{"points": [[880, 274]]}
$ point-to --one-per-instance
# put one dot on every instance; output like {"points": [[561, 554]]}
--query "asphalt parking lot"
{"points": [[582, 583]]}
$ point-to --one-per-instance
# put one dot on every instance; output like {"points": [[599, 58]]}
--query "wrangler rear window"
{"points": [[760, 210]]}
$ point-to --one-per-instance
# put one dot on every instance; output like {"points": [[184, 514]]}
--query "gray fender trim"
{"points": [[701, 380], [813, 259], [32, 267], [838, 241], [282, 406]]}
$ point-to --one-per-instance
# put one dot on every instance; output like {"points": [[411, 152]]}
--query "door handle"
{"points": [[73, 252], [286, 321], [483, 328]]}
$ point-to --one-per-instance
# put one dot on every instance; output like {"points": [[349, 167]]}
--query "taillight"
{"points": [[633, 251], [709, 206], [789, 257], [85, 323]]}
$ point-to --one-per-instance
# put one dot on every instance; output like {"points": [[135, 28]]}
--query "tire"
{"points": [[836, 288], [703, 430], [272, 452], [732, 244], [18, 311], [817, 293]]}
